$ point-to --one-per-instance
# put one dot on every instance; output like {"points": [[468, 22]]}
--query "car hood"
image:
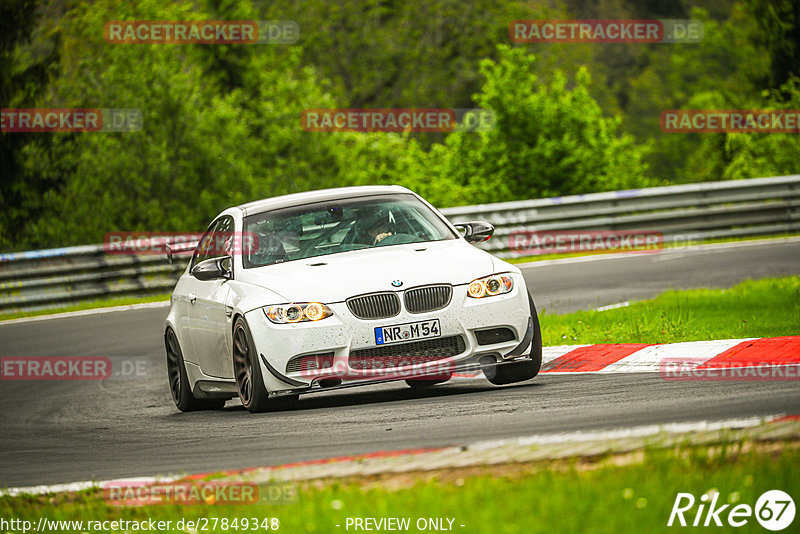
{"points": [[336, 277]]}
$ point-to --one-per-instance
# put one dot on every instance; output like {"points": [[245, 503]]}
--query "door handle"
{"points": [[192, 298]]}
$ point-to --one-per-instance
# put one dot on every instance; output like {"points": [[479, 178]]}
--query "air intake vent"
{"points": [[428, 298], [491, 336], [374, 306], [403, 354]]}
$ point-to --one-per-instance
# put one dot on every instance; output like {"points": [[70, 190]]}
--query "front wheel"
{"points": [[179, 382], [247, 371], [522, 370]]}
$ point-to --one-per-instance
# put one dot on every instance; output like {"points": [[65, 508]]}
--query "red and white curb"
{"points": [[693, 356]]}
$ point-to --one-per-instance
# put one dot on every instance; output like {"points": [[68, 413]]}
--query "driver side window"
{"points": [[216, 242]]}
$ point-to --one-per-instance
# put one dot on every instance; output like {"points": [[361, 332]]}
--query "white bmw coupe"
{"points": [[339, 288]]}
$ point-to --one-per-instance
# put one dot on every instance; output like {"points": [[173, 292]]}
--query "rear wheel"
{"points": [[508, 373], [179, 382]]}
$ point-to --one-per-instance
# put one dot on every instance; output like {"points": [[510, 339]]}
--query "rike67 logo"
{"points": [[774, 510]]}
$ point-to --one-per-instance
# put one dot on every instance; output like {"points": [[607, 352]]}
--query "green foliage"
{"points": [[26, 64], [549, 139], [202, 148], [766, 154], [398, 53], [779, 33], [221, 122], [715, 73]]}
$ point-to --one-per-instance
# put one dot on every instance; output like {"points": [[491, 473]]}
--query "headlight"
{"points": [[297, 313], [489, 286]]}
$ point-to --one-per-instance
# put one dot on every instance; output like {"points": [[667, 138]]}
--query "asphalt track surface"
{"points": [[65, 431]]}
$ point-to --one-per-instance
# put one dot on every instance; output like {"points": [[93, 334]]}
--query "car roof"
{"points": [[308, 197]]}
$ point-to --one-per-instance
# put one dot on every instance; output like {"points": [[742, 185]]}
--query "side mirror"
{"points": [[179, 249], [476, 231], [213, 269]]}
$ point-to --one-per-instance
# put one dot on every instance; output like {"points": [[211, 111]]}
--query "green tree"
{"points": [[27, 61], [205, 145], [719, 72], [779, 33], [751, 155], [400, 53], [549, 139]]}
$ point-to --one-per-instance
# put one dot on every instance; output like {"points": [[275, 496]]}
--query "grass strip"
{"points": [[754, 308], [89, 305], [607, 495]]}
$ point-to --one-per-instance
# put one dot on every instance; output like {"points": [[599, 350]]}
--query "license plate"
{"points": [[407, 332]]}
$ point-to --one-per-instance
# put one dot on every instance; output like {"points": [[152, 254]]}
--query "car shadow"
{"points": [[391, 393]]}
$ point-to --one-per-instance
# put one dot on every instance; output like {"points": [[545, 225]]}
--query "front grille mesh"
{"points": [[403, 354], [429, 298], [310, 362], [374, 306]]}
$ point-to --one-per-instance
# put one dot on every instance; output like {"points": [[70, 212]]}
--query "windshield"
{"points": [[312, 230]]}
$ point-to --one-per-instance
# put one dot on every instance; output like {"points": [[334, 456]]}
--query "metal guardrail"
{"points": [[740, 208], [709, 210], [52, 278]]}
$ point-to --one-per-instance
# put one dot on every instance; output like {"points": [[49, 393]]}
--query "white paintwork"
{"points": [[204, 328]]}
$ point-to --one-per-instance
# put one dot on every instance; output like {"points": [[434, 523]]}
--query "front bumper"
{"points": [[341, 334]]}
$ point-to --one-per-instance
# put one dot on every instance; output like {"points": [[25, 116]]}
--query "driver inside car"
{"points": [[373, 225], [379, 231]]}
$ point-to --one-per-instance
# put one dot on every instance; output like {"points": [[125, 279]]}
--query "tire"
{"points": [[426, 382], [522, 370], [247, 370], [179, 382]]}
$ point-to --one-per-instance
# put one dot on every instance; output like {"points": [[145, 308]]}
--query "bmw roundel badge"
{"points": [[397, 283]]}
